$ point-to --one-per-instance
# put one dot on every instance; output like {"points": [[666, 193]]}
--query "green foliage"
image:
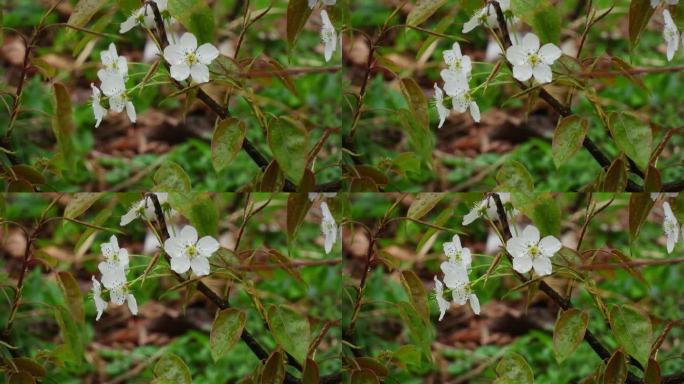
{"points": [[423, 204], [227, 142], [171, 177], [569, 332], [542, 15], [84, 11], [171, 369], [289, 142], [568, 138], [513, 369], [423, 10], [226, 331], [632, 136], [290, 330], [633, 331], [196, 16], [298, 13]]}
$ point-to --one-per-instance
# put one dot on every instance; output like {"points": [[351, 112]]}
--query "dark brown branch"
{"points": [[561, 301], [246, 336], [563, 110]]}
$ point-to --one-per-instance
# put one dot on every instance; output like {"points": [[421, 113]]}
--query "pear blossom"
{"points": [[442, 111], [144, 209], [531, 61], [486, 16], [454, 273], [114, 87], [113, 253], [464, 101], [454, 82], [671, 35], [530, 253], [120, 294], [328, 227], [655, 3], [456, 253], [187, 252], [457, 62], [144, 16], [463, 293], [112, 62], [328, 36], [188, 60], [486, 208], [442, 303], [98, 110], [670, 227], [113, 273], [100, 304]]}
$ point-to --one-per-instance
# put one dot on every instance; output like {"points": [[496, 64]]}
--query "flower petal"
{"points": [[174, 247], [515, 55], [174, 54], [199, 73], [549, 245], [189, 234], [530, 42], [474, 304], [180, 264], [206, 53], [522, 72], [454, 274], [549, 53], [531, 234], [475, 111], [517, 247], [522, 264], [117, 295], [130, 111], [180, 72], [542, 73], [207, 245], [542, 265], [200, 265], [188, 42], [132, 304]]}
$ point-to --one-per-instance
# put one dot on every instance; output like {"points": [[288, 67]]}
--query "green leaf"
{"points": [[310, 374], [84, 11], [616, 176], [542, 15], [545, 214], [72, 295], [196, 17], [73, 348], [640, 12], [423, 10], [632, 136], [423, 204], [226, 331], [298, 12], [640, 205], [79, 203], [513, 176], [652, 374], [418, 104], [420, 138], [290, 330], [170, 177], [274, 369], [421, 331], [417, 294], [227, 142], [199, 208], [298, 205], [289, 142], [63, 125], [30, 366], [170, 369], [513, 369], [633, 331], [569, 332], [616, 369], [568, 138]]}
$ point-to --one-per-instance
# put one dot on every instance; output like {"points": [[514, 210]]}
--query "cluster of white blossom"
{"points": [[144, 17], [486, 16], [328, 224], [144, 209], [670, 31], [113, 78], [670, 224], [456, 85], [527, 250], [113, 269], [455, 271], [328, 33], [529, 60], [189, 60], [187, 252]]}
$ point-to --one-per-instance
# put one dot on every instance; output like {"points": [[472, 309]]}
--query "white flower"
{"points": [[456, 253], [454, 273], [120, 294], [457, 62], [144, 209], [655, 195], [463, 293], [529, 252], [98, 110], [454, 82], [529, 60], [670, 226], [114, 87], [486, 208], [655, 3], [486, 16], [671, 35], [442, 303], [113, 274], [113, 253], [187, 60], [114, 63], [442, 111], [186, 252], [464, 101], [328, 227], [144, 16], [328, 36], [100, 304]]}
